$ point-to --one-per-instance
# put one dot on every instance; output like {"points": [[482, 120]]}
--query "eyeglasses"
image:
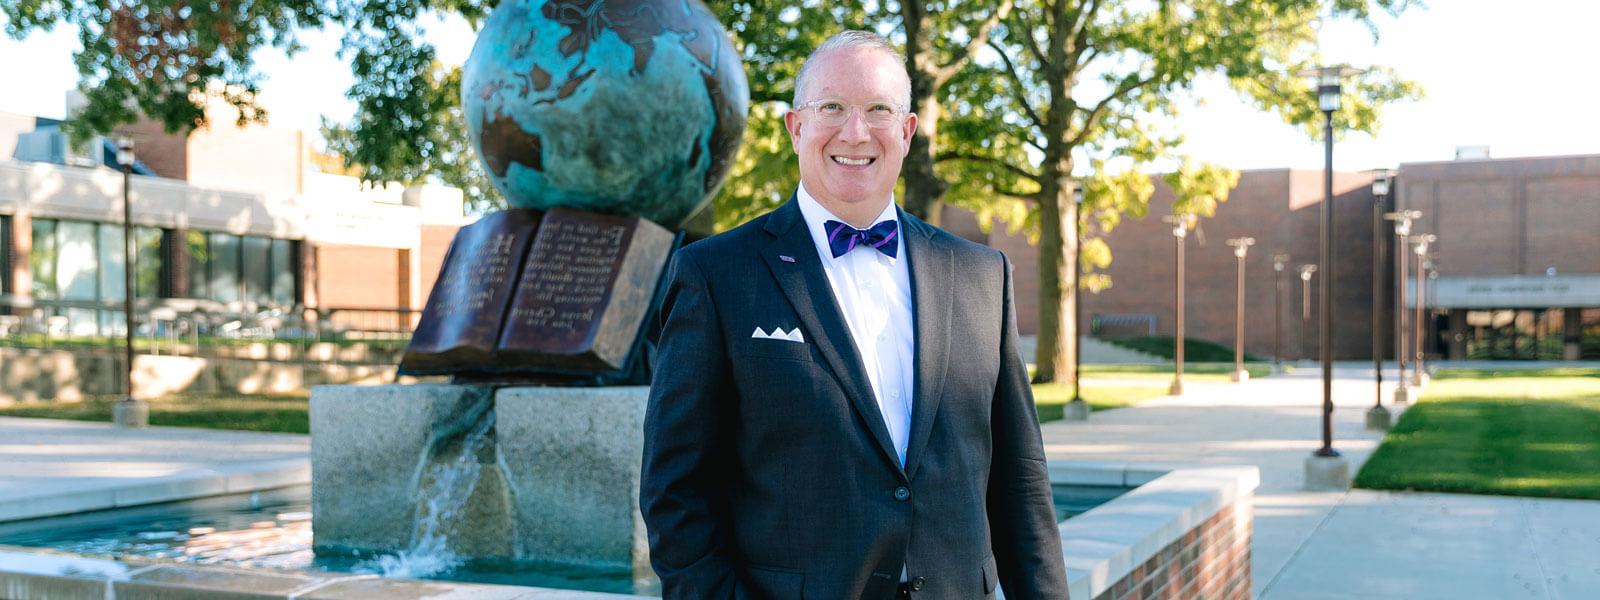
{"points": [[834, 113]]}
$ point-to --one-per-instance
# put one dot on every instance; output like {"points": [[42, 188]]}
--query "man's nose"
{"points": [[855, 127]]}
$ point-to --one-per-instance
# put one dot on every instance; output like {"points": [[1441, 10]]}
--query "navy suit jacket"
{"points": [[768, 471]]}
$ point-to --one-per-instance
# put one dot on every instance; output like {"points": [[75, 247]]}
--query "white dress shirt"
{"points": [[874, 292]]}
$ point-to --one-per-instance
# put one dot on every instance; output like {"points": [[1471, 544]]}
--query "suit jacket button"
{"points": [[902, 493], [917, 583]]}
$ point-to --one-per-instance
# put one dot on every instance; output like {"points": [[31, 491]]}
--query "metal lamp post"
{"points": [[129, 411], [1305, 306], [1077, 409], [1279, 261], [1241, 245], [1180, 230], [1402, 232], [1378, 417], [1418, 379], [1328, 90]]}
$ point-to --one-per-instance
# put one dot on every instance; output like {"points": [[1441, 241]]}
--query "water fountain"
{"points": [[605, 135]]}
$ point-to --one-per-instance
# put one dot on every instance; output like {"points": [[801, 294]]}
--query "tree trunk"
{"points": [[924, 187], [1058, 244]]}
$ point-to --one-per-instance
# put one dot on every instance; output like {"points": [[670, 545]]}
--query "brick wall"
{"points": [[1279, 208], [357, 277], [1211, 561]]}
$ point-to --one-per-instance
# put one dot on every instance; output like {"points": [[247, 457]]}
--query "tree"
{"points": [[1093, 78]]}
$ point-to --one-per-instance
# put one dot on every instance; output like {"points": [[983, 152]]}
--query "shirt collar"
{"points": [[816, 216]]}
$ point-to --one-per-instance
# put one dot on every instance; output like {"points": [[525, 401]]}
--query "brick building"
{"points": [[227, 219], [1517, 262]]}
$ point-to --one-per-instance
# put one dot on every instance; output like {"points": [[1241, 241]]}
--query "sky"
{"points": [[1517, 77]]}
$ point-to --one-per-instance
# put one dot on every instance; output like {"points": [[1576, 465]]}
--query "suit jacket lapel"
{"points": [[932, 283], [806, 285]]}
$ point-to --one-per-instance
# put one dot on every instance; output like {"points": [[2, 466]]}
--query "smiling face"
{"points": [[851, 168]]}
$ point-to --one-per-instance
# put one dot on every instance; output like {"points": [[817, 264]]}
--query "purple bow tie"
{"points": [[842, 238]]}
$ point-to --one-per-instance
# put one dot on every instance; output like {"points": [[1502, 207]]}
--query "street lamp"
{"points": [[1305, 307], [1321, 472], [1402, 232], [1378, 417], [1417, 378], [1077, 409], [1279, 261], [1180, 230], [129, 411], [1241, 245]]}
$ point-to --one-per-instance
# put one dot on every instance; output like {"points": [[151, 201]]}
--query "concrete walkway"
{"points": [[54, 467], [1348, 545]]}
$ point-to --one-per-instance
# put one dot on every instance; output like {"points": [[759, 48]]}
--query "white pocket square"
{"points": [[779, 334]]}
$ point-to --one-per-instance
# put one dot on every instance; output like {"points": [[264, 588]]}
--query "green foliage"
{"points": [[765, 173], [1522, 434]]}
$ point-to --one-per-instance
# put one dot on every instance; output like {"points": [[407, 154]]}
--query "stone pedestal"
{"points": [[556, 477], [130, 413], [1379, 419], [1327, 473], [1076, 410], [1402, 394]]}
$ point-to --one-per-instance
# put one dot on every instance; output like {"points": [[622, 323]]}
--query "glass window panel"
{"points": [[283, 272], [5, 254], [148, 275], [110, 261], [199, 264], [42, 260], [257, 269], [76, 276], [224, 267]]}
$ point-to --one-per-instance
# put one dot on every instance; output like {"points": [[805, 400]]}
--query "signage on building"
{"points": [[1512, 291]]}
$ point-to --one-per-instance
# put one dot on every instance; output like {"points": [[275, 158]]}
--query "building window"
{"points": [[6, 235], [232, 268], [80, 260]]}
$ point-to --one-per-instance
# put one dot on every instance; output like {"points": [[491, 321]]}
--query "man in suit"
{"points": [[840, 409]]}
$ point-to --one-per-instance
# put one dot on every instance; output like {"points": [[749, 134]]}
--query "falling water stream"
{"points": [[448, 481]]}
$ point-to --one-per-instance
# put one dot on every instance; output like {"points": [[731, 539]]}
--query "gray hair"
{"points": [[851, 39]]}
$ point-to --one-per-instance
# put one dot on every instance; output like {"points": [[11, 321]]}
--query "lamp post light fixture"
{"points": [[1279, 262], [1325, 469], [128, 411], [1180, 230], [1305, 307], [1241, 245], [1418, 379], [1402, 233], [1077, 409], [1378, 417]]}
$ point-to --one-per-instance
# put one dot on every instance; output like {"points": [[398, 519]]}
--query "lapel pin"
{"points": [[786, 258]]}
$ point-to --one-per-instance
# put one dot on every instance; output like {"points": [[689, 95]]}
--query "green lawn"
{"points": [[286, 414], [1193, 349], [1052, 398], [1518, 433], [1208, 371]]}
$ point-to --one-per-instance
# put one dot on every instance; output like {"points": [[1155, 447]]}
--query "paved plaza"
{"points": [[1307, 545], [1348, 545]]}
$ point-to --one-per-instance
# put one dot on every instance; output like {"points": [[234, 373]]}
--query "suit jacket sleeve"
{"points": [[683, 492], [1022, 520]]}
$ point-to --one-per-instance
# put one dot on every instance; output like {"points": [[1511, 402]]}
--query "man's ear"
{"points": [[791, 122], [910, 130]]}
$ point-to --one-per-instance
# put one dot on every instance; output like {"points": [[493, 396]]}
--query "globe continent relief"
{"points": [[621, 107]]}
